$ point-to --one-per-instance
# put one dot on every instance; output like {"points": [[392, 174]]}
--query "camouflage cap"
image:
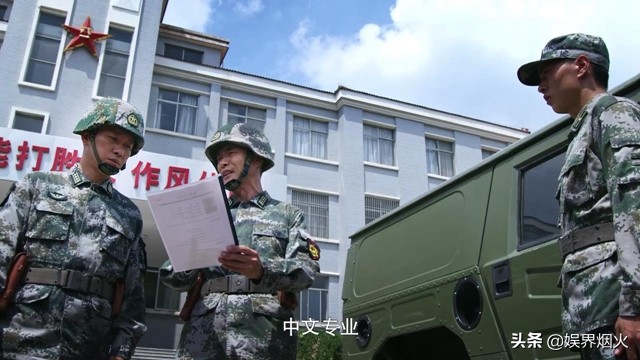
{"points": [[243, 135], [114, 112], [566, 47]]}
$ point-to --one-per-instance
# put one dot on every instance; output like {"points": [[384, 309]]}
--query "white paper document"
{"points": [[194, 222]]}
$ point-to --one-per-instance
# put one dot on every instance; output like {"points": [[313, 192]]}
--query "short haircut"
{"points": [[601, 76]]}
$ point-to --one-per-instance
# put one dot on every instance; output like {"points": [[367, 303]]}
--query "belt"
{"points": [[71, 280], [232, 284], [583, 238]]}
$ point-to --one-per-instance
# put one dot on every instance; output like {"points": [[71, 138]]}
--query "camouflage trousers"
{"points": [[590, 296], [590, 305], [232, 330], [56, 327]]}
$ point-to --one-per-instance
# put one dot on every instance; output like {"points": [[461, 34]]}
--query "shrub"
{"points": [[320, 346]]}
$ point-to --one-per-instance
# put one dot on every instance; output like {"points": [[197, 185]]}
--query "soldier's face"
{"points": [[231, 162], [113, 144], [559, 85]]}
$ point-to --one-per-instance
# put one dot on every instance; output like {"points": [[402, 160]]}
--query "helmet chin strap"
{"points": [[102, 166], [234, 183]]}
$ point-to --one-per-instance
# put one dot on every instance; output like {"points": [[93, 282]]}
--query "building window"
{"points": [[540, 209], [157, 295], [3, 12], [313, 301], [310, 137], [439, 157], [28, 122], [45, 48], [486, 153], [374, 207], [177, 112], [114, 64], [316, 211], [378, 145], [245, 114], [182, 53]]}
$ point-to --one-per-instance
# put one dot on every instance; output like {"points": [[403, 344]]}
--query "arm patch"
{"points": [[312, 246]]}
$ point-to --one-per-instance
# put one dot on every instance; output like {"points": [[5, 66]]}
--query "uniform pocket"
{"points": [[208, 303], [266, 304], [31, 293], [575, 185], [51, 220], [268, 241], [101, 306], [585, 258], [117, 241]]}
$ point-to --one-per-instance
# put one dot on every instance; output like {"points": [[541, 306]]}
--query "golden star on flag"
{"points": [[84, 36]]}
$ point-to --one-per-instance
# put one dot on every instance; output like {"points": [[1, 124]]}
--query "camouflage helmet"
{"points": [[243, 135], [115, 112]]}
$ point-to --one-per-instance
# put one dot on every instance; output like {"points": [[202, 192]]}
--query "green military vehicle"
{"points": [[470, 269]]}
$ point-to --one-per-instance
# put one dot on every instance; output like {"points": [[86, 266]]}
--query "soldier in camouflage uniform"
{"points": [[238, 314], [82, 294], [599, 192]]}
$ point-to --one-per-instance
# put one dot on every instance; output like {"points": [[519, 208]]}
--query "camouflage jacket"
{"points": [[276, 230], [600, 183], [64, 222]]}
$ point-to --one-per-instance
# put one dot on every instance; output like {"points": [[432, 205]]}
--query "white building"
{"points": [[344, 157]]}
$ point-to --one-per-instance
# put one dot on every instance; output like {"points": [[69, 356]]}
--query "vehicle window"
{"points": [[539, 208]]}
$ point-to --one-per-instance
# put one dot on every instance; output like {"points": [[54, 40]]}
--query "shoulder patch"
{"points": [[313, 248]]}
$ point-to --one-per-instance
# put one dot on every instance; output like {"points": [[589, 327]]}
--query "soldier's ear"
{"points": [[85, 137], [583, 64]]}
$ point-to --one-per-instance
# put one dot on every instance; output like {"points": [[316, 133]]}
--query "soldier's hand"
{"points": [[242, 259], [629, 328]]}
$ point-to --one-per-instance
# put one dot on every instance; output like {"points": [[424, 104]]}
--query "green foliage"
{"points": [[320, 346]]}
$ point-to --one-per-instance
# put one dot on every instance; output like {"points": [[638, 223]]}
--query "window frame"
{"points": [[29, 112], [310, 217], [157, 288], [378, 139], [532, 164], [378, 210], [487, 151], [178, 104], [324, 297], [27, 56], [7, 12], [183, 51], [246, 116], [439, 152], [104, 52], [310, 131]]}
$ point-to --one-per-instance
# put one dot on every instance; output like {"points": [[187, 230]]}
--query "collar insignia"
{"points": [[76, 179], [578, 121], [262, 200]]}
